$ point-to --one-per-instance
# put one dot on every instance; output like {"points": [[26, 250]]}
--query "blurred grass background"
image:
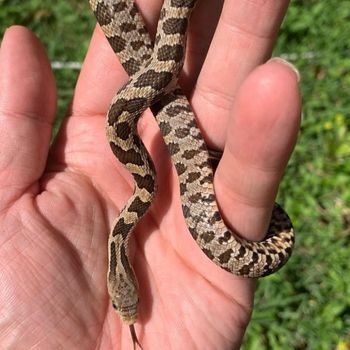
{"points": [[307, 304]]}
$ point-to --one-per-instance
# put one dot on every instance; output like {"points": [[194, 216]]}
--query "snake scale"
{"points": [[153, 69]]}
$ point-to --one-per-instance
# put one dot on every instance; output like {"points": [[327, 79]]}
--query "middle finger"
{"points": [[243, 39]]}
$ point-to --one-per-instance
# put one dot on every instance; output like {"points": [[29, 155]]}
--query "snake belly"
{"points": [[153, 71]]}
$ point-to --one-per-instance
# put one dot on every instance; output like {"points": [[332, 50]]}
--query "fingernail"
{"points": [[287, 63]]}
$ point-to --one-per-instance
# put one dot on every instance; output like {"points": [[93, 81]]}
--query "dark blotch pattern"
{"points": [[174, 111], [273, 251], [123, 130], [180, 168], [192, 123], [210, 198], [130, 156], [215, 218], [131, 66], [133, 12], [145, 57], [208, 236], [206, 179], [268, 260], [183, 189], [113, 259], [135, 105], [198, 136], [170, 52], [186, 211], [244, 270], [281, 256], [118, 43], [165, 128], [119, 7], [146, 182], [182, 3], [139, 207], [242, 251], [225, 257], [142, 31], [175, 26], [156, 80], [162, 13], [181, 133], [225, 238], [127, 27], [121, 228], [195, 198], [255, 257], [173, 148], [102, 14], [136, 45], [131, 106], [193, 177]]}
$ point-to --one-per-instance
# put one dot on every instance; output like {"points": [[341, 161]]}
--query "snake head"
{"points": [[123, 292]]}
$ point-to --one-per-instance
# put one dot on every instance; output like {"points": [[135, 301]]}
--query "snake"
{"points": [[154, 67]]}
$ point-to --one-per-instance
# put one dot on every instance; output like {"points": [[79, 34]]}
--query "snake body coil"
{"points": [[153, 74]]}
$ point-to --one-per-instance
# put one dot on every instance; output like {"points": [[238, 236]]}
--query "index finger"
{"points": [[100, 77]]}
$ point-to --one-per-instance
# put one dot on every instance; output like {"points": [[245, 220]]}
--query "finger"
{"points": [[27, 110], [243, 39], [201, 30], [100, 77], [260, 138]]}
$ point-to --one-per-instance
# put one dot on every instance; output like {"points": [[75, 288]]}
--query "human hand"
{"points": [[57, 207]]}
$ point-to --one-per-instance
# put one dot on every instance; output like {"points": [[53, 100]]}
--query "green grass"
{"points": [[64, 27], [307, 304]]}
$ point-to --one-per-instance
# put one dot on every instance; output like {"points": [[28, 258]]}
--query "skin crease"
{"points": [[57, 203]]}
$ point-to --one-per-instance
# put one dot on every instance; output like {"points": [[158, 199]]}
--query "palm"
{"points": [[55, 222]]}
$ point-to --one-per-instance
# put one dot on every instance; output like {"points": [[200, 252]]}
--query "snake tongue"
{"points": [[134, 337]]}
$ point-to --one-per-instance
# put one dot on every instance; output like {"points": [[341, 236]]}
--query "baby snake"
{"points": [[154, 70]]}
